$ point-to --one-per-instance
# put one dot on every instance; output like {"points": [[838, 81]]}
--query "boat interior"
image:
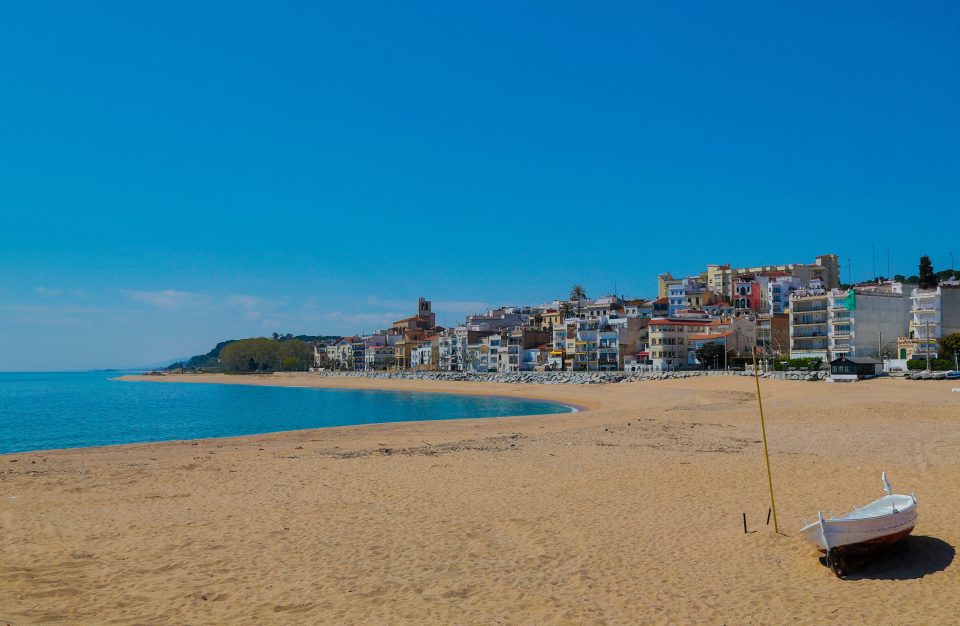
{"points": [[887, 505]]}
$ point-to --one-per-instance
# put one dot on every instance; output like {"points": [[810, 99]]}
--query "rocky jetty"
{"points": [[567, 378]]}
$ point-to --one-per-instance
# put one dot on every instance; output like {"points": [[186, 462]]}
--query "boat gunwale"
{"points": [[845, 520]]}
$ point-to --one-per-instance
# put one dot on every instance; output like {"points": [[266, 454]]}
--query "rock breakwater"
{"points": [[567, 378]]}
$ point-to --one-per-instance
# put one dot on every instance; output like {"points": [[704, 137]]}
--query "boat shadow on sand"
{"points": [[914, 557]]}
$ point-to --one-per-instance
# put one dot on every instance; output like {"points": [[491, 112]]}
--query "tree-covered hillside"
{"points": [[211, 361]]}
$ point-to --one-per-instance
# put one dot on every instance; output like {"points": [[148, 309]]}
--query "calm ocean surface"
{"points": [[66, 410]]}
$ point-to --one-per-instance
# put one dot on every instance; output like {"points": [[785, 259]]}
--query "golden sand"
{"points": [[629, 512]]}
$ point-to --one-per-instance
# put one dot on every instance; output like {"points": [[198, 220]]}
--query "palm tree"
{"points": [[577, 293], [565, 309]]}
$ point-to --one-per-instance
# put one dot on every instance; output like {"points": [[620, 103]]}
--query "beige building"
{"points": [[664, 282], [720, 278], [809, 326], [669, 339]]}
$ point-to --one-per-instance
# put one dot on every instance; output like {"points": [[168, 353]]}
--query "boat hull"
{"points": [[881, 522], [862, 532], [869, 545]]}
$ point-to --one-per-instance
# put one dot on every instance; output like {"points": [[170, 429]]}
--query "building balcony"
{"points": [[809, 309], [809, 323]]}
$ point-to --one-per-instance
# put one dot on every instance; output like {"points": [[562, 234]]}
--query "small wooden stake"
{"points": [[763, 430], [744, 523], [768, 516]]}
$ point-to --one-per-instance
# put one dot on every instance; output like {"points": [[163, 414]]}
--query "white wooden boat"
{"points": [[878, 524]]}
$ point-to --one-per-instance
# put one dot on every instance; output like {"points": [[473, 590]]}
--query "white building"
{"points": [[933, 314], [778, 293], [809, 326], [379, 358], [863, 321], [866, 321], [597, 343]]}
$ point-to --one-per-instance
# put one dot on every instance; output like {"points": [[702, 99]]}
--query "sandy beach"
{"points": [[627, 512]]}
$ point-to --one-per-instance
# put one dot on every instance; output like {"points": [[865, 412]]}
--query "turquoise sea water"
{"points": [[65, 410]]}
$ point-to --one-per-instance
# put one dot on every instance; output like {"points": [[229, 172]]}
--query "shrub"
{"points": [[937, 365], [810, 363]]}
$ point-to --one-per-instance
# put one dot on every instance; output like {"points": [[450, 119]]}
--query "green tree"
{"points": [[710, 354], [928, 279], [578, 293], [949, 345], [265, 355], [566, 310]]}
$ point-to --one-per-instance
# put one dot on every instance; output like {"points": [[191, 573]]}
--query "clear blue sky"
{"points": [[174, 174]]}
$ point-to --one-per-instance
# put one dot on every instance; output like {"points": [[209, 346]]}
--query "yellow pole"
{"points": [[763, 430]]}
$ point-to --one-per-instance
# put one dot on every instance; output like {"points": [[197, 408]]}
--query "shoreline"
{"points": [[275, 380], [267, 380], [630, 511]]}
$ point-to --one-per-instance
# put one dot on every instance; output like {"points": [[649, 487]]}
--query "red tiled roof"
{"points": [[708, 336]]}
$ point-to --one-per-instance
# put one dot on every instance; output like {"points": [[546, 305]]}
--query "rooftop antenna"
{"points": [[849, 272], [873, 256]]}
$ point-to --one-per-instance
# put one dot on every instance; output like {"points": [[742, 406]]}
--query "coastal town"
{"points": [[792, 315]]}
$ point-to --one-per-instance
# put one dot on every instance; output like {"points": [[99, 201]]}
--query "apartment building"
{"points": [[738, 336], [458, 348], [497, 319], [778, 293], [750, 293], [596, 343], [361, 344], [691, 293], [866, 321], [809, 326], [670, 339], [638, 308], [664, 282], [425, 355], [488, 353], [826, 267], [339, 355], [773, 335], [933, 314], [512, 355], [379, 358]]}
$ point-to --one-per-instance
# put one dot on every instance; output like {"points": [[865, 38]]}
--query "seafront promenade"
{"points": [[628, 511]]}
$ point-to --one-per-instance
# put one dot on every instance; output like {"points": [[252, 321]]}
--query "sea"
{"points": [[42, 411]]}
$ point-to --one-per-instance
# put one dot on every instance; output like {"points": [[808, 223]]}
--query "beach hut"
{"points": [[854, 368]]}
